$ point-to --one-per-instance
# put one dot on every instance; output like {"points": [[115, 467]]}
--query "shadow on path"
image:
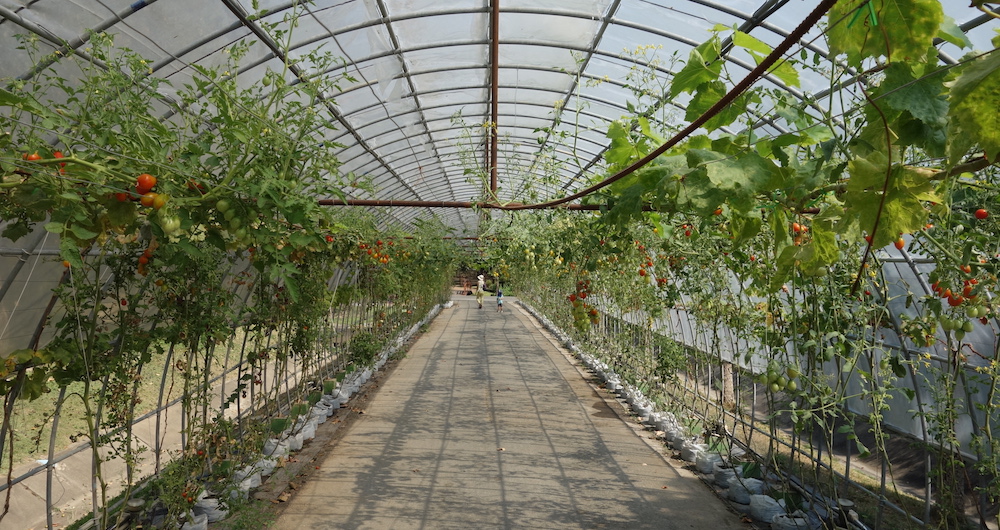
{"points": [[487, 424]]}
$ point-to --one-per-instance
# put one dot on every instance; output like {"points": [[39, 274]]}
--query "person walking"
{"points": [[499, 301], [480, 290]]}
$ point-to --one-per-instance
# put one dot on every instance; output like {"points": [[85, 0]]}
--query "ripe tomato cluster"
{"points": [[969, 292], [145, 258], [799, 234], [144, 193], [584, 314], [377, 252]]}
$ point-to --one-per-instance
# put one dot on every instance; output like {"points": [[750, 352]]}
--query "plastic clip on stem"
{"points": [[871, 14]]}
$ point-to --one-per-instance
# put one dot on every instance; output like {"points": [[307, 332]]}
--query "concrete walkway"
{"points": [[488, 423]]}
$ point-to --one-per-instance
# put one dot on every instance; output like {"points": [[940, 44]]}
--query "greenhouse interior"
{"points": [[769, 228]]}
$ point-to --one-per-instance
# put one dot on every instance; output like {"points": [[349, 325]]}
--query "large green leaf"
{"points": [[924, 98], [757, 49], [951, 32], [703, 66], [903, 209], [621, 151], [975, 98], [707, 95], [723, 178], [904, 29]]}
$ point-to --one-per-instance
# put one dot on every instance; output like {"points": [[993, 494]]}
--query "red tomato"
{"points": [[145, 181], [982, 214]]}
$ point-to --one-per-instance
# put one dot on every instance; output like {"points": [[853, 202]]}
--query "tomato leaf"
{"points": [[707, 95], [909, 27], [702, 66], [621, 151], [757, 49], [952, 33], [975, 98], [902, 210], [924, 98], [82, 232]]}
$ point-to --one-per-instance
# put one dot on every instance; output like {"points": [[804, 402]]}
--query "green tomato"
{"points": [[774, 387], [982, 311], [170, 224], [972, 312], [792, 372], [222, 205], [791, 386], [967, 326]]}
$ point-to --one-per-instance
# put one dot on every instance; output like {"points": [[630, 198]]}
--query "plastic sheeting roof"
{"points": [[417, 64]]}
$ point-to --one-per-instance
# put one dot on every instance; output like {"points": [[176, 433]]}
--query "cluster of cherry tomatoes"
{"points": [[145, 258], [377, 252], [584, 314], [799, 232], [144, 193]]}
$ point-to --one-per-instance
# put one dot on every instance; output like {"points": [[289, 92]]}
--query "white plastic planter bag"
{"points": [[266, 466], [319, 413], [295, 442], [722, 475], [740, 489], [309, 430], [705, 462], [199, 522], [763, 508], [248, 477], [789, 522], [690, 451], [276, 448], [210, 508], [671, 433]]}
